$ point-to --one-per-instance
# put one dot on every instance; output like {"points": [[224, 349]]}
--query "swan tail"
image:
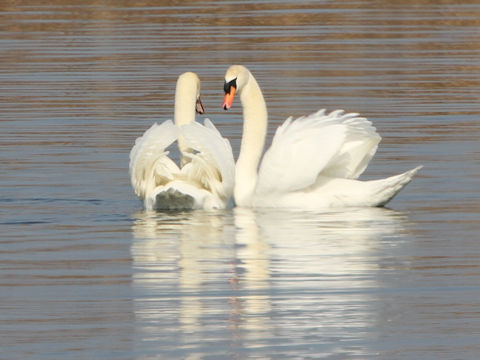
{"points": [[385, 190], [180, 195], [172, 199]]}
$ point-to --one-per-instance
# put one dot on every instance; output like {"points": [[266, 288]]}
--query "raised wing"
{"points": [[334, 145], [213, 164], [150, 165]]}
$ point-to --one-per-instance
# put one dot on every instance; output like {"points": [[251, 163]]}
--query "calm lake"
{"points": [[86, 273]]}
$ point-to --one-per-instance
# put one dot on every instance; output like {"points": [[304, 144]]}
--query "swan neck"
{"points": [[185, 99], [253, 139]]}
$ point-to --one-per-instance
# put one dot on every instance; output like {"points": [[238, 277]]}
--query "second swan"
{"points": [[313, 162]]}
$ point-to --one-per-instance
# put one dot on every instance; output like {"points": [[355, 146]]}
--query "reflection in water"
{"points": [[264, 268], [179, 259], [253, 256]]}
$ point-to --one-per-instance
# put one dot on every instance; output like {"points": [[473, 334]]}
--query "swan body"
{"points": [[313, 162], [205, 179]]}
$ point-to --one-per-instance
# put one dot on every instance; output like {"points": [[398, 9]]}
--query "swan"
{"points": [[313, 162], [206, 175]]}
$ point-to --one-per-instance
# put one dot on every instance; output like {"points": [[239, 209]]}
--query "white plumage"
{"points": [[313, 162], [205, 181]]}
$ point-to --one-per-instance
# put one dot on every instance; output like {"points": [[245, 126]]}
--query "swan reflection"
{"points": [[259, 274], [176, 257]]}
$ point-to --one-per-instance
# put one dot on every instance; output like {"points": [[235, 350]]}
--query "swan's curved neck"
{"points": [[185, 99], [253, 139]]}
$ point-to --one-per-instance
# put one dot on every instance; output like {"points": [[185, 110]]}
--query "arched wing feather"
{"points": [[150, 165], [213, 164], [334, 145]]}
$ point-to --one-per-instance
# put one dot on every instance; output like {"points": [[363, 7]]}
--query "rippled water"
{"points": [[86, 273]]}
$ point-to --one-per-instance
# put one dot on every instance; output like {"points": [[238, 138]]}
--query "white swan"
{"points": [[313, 162], [205, 180]]}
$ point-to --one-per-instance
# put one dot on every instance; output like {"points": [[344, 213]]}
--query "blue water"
{"points": [[86, 273]]}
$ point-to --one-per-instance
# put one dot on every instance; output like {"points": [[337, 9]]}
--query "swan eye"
{"points": [[228, 85]]}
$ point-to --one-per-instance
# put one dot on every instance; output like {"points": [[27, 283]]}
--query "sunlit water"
{"points": [[86, 273]]}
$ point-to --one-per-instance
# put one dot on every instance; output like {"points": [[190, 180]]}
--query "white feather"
{"points": [[313, 162], [206, 179], [150, 165], [213, 163], [333, 145]]}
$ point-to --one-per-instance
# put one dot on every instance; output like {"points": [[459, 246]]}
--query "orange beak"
{"points": [[228, 99]]}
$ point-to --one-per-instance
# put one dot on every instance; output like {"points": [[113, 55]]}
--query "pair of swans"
{"points": [[312, 164]]}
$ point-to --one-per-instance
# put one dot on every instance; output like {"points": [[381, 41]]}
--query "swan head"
{"points": [[236, 78], [189, 83]]}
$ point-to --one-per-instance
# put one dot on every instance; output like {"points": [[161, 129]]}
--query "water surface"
{"points": [[86, 273]]}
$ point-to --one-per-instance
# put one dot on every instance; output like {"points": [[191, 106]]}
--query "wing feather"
{"points": [[213, 164], [150, 165], [337, 144]]}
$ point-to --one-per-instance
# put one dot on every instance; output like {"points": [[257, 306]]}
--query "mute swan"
{"points": [[313, 162], [205, 180]]}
